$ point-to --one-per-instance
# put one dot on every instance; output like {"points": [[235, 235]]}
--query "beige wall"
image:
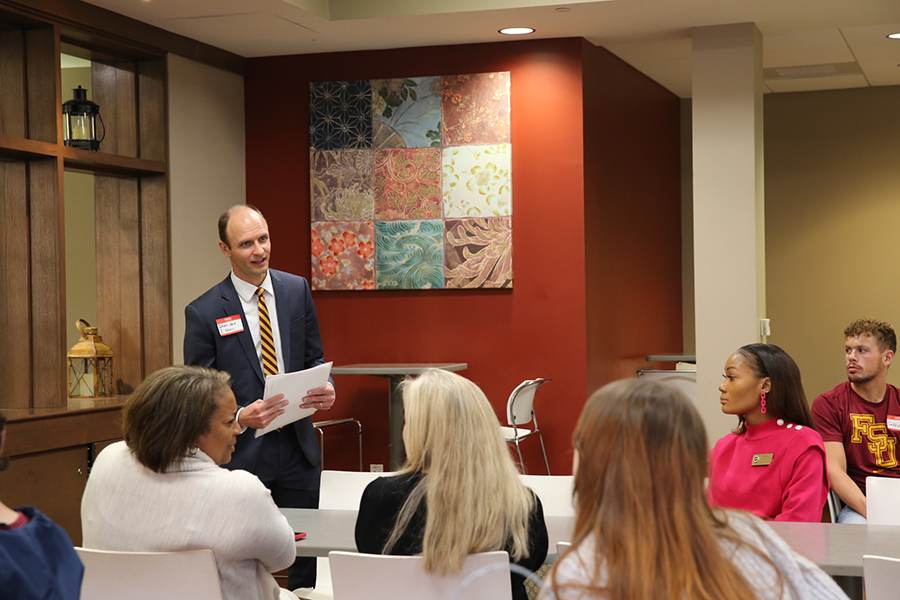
{"points": [[832, 222], [81, 247], [207, 175]]}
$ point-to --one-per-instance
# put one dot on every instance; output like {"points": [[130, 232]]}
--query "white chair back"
{"points": [[520, 405], [882, 498], [342, 490], [880, 575], [555, 492], [562, 547], [112, 575], [378, 577]]}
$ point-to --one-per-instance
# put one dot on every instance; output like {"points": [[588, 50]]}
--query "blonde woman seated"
{"points": [[162, 489], [459, 492], [643, 528]]}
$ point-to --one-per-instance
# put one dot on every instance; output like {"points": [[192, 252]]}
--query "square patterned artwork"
{"points": [[343, 255], [411, 183], [408, 184], [477, 181], [407, 112], [341, 185], [478, 253], [410, 255]]}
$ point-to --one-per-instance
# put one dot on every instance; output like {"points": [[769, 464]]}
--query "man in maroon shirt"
{"points": [[860, 419]]}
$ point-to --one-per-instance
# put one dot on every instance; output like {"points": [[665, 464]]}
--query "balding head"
{"points": [[225, 217]]}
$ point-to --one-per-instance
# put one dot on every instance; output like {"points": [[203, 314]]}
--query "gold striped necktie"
{"points": [[270, 362]]}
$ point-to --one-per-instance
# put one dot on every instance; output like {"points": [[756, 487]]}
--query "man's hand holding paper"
{"points": [[305, 392]]}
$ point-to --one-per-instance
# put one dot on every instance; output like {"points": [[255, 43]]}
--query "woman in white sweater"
{"points": [[162, 489], [643, 528]]}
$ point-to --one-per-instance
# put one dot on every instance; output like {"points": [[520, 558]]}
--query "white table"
{"points": [[395, 372], [328, 530]]}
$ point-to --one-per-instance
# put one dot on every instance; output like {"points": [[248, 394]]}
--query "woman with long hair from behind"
{"points": [[459, 492], [643, 527]]}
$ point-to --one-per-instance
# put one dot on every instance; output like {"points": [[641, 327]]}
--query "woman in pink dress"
{"points": [[773, 463]]}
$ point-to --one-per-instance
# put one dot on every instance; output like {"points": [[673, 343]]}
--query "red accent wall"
{"points": [[632, 218], [537, 329]]}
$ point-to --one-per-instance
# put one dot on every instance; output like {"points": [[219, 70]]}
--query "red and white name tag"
{"points": [[229, 325], [893, 423]]}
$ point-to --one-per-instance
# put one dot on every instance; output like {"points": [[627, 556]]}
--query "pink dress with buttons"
{"points": [[775, 470]]}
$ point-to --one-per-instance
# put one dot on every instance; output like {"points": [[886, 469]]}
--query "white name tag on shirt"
{"points": [[893, 423], [230, 325]]}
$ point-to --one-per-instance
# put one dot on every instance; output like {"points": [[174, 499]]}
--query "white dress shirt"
{"points": [[250, 303]]}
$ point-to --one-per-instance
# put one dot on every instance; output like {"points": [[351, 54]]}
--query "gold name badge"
{"points": [[762, 460]]}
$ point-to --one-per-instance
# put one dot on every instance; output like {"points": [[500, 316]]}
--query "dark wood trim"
{"points": [[119, 276], [110, 164], [153, 116], [15, 284], [12, 83], [156, 274], [114, 90], [16, 148], [48, 284], [86, 24], [41, 58], [12, 148], [62, 430]]}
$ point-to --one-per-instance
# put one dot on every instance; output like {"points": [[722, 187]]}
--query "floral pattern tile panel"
{"points": [[410, 255], [477, 181], [475, 109], [408, 184], [340, 114], [478, 253], [341, 185], [343, 255], [407, 112]]}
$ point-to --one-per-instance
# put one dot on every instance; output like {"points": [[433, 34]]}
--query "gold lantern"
{"points": [[90, 365]]}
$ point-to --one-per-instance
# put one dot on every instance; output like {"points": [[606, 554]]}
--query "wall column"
{"points": [[729, 223]]}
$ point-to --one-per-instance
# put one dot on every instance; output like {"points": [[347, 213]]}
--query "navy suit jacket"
{"points": [[301, 347]]}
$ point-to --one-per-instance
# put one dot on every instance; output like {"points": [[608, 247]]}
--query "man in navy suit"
{"points": [[222, 331]]}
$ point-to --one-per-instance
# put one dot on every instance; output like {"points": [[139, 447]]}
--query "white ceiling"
{"points": [[807, 44]]}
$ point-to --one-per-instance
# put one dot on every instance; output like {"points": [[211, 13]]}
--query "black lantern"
{"points": [[80, 121]]}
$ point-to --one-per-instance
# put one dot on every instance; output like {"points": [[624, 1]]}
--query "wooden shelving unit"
{"points": [[131, 204]]}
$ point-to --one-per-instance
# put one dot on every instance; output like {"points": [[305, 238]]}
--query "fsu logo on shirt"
{"points": [[879, 443]]}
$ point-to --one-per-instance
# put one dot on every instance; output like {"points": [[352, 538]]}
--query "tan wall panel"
{"points": [[832, 216], [206, 176]]}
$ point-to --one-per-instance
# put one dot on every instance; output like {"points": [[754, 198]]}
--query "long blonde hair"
{"points": [[474, 497], [639, 499]]}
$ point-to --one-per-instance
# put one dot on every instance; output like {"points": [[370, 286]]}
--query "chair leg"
{"points": [[321, 437], [521, 462], [544, 450], [360, 446]]}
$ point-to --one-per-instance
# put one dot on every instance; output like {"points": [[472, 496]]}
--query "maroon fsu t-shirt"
{"points": [[868, 431]]}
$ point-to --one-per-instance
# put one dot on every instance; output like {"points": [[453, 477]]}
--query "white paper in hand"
{"points": [[294, 386]]}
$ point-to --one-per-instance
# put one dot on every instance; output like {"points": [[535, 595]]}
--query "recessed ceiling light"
{"points": [[516, 30], [894, 36]]}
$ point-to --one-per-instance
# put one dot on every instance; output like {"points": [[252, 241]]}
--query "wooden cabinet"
{"points": [[50, 452], [131, 206]]}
